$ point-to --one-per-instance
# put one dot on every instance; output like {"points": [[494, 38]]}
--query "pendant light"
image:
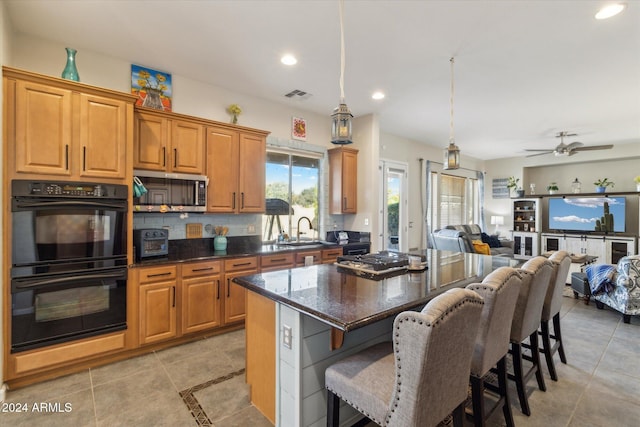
{"points": [[452, 152], [341, 131]]}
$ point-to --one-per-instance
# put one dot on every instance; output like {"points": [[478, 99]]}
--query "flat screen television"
{"points": [[587, 214]]}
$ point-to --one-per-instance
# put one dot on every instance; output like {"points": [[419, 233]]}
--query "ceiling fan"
{"points": [[563, 149]]}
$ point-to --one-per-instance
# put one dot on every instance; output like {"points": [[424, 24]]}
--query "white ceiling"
{"points": [[524, 70]]}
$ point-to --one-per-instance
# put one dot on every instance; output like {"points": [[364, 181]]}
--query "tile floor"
{"points": [[202, 383]]}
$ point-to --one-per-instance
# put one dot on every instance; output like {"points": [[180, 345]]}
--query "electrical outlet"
{"points": [[366, 221], [286, 336], [251, 228]]}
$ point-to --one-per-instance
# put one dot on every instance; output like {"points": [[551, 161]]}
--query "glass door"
{"points": [[393, 209]]}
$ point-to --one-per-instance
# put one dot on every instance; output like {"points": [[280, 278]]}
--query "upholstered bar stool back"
{"points": [[561, 261], [500, 291], [536, 274], [420, 378]]}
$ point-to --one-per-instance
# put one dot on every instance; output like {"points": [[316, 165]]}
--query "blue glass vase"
{"points": [[70, 71]]}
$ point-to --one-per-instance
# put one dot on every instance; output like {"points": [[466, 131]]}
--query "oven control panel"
{"points": [[26, 188]]}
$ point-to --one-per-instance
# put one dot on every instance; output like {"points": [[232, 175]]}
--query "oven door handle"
{"points": [[57, 280], [23, 205]]}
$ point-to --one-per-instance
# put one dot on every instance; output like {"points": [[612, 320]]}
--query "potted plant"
{"points": [[602, 184], [637, 181], [552, 188], [512, 185]]}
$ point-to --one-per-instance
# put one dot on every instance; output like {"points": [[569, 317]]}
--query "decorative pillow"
{"points": [[492, 241], [601, 278], [481, 248]]}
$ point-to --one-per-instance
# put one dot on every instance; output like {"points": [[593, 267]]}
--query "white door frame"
{"points": [[403, 212]]}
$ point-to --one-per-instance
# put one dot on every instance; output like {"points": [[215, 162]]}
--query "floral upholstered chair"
{"points": [[617, 286]]}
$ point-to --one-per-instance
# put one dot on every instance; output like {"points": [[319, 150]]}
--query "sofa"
{"points": [[617, 286], [474, 232], [450, 239]]}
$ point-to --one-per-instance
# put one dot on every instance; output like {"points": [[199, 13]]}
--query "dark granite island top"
{"points": [[347, 301]]}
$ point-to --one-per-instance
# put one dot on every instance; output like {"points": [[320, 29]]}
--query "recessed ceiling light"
{"points": [[289, 59], [377, 95], [610, 10]]}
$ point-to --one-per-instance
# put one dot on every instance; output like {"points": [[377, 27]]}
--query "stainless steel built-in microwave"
{"points": [[174, 192]]}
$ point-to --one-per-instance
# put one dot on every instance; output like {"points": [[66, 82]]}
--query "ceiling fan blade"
{"points": [[574, 145], [539, 154], [594, 147]]}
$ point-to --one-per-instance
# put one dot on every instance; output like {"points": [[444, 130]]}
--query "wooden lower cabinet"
{"points": [[179, 299], [277, 262], [235, 295], [157, 293], [302, 256], [329, 256], [201, 306]]}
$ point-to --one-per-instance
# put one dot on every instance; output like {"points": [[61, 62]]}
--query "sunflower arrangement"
{"points": [[235, 111]]}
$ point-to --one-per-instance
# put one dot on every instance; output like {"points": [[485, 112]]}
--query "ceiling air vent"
{"points": [[298, 94]]}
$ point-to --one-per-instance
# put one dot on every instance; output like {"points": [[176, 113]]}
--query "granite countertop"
{"points": [[189, 250], [347, 301]]}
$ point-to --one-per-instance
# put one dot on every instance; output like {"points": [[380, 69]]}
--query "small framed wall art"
{"points": [[298, 128], [153, 88]]}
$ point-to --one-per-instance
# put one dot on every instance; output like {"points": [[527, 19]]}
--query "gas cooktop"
{"points": [[381, 263]]}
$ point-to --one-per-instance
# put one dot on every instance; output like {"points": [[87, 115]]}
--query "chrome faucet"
{"points": [[299, 233]]}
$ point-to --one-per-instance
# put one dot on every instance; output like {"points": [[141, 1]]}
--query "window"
{"points": [[457, 200], [292, 181]]}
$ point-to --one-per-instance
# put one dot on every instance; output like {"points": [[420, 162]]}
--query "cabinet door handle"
{"points": [[164, 156], [174, 296], [66, 156], [218, 289], [242, 264], [84, 158], [159, 274], [175, 157], [233, 201], [345, 204], [228, 287], [242, 200], [195, 270], [277, 260]]}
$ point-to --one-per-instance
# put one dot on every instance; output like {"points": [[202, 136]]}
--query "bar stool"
{"points": [[526, 320], [561, 261], [419, 379], [500, 291]]}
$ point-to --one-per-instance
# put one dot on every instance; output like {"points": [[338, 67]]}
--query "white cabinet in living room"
{"points": [[525, 245], [526, 228], [608, 249]]}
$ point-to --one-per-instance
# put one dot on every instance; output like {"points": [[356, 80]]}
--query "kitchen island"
{"points": [[301, 320]]}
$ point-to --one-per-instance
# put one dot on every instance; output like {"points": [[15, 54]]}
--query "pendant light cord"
{"points": [[451, 138], [342, 56]]}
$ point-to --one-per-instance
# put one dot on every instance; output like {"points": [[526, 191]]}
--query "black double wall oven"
{"points": [[69, 261]]}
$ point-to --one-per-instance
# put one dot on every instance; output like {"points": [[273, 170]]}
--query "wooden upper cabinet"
{"points": [[343, 180], [222, 169], [251, 179], [187, 147], [103, 137], [236, 169], [166, 142], [150, 136], [66, 129]]}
